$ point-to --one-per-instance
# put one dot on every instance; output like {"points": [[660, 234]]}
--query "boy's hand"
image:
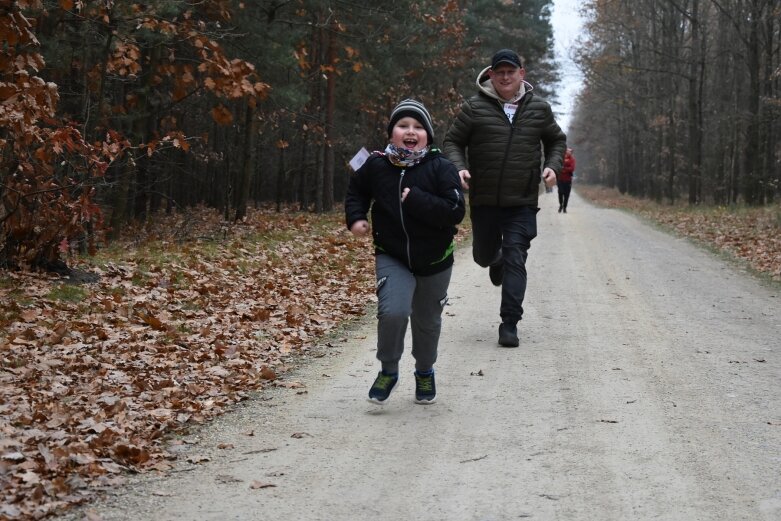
{"points": [[360, 228]]}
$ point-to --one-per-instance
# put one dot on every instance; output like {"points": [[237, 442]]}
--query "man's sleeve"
{"points": [[457, 137], [554, 141]]}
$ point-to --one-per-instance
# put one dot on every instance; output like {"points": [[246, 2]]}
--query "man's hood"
{"points": [[485, 86]]}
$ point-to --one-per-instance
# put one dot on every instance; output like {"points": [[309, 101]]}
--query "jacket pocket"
{"points": [[534, 181]]}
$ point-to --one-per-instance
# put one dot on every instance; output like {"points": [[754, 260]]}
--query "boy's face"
{"points": [[409, 133]]}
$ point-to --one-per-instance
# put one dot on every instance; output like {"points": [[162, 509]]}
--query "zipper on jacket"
{"points": [[401, 217], [504, 160], [521, 102]]}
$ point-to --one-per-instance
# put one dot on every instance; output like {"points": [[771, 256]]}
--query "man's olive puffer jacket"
{"points": [[505, 160]]}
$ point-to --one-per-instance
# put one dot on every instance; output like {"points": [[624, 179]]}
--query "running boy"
{"points": [[416, 201]]}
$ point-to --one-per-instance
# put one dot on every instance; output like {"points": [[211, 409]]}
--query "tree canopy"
{"points": [[682, 99], [113, 111]]}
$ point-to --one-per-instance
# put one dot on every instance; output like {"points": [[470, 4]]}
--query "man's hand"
{"points": [[464, 175], [360, 228], [549, 176]]}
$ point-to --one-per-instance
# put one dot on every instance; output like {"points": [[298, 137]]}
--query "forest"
{"points": [[114, 111], [682, 100]]}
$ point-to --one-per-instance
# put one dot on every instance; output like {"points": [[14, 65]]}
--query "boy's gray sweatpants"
{"points": [[402, 297]]}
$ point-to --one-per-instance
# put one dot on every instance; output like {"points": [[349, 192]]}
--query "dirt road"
{"points": [[646, 387]]}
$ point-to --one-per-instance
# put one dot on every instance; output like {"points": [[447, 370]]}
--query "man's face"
{"points": [[506, 79]]}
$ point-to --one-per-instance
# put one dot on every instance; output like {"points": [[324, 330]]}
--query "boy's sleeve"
{"points": [[358, 198], [447, 206]]}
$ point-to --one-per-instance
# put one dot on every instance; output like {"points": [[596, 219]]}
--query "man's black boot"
{"points": [[508, 334]]}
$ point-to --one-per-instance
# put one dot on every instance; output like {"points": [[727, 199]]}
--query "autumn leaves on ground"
{"points": [[176, 328], [186, 319]]}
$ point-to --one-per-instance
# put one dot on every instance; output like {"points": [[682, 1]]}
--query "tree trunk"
{"points": [[319, 184], [694, 110], [91, 122], [247, 165], [303, 176], [672, 141], [316, 103], [280, 176], [752, 175], [121, 199], [769, 164], [330, 107]]}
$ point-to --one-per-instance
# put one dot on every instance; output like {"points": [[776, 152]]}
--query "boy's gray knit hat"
{"points": [[414, 109]]}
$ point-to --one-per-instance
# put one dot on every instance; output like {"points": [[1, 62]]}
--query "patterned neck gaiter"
{"points": [[404, 157]]}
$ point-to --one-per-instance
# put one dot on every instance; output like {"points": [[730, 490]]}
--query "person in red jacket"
{"points": [[565, 180]]}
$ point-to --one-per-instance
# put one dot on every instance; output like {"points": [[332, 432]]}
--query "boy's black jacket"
{"points": [[419, 231]]}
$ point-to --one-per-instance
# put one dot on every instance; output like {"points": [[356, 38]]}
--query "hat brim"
{"points": [[508, 62]]}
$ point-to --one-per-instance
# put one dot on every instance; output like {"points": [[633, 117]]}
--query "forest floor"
{"points": [[191, 316]]}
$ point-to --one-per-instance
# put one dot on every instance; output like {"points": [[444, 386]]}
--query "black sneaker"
{"points": [[508, 334], [496, 273], [382, 387], [425, 388]]}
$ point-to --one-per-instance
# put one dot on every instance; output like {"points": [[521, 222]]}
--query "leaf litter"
{"points": [[185, 319]]}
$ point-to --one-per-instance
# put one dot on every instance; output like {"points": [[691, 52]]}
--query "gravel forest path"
{"points": [[646, 387]]}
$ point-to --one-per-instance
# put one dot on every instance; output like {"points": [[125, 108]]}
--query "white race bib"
{"points": [[509, 110], [359, 159]]}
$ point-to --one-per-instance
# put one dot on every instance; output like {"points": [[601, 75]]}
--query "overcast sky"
{"points": [[566, 27]]}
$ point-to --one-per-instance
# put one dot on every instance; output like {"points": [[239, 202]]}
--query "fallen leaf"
{"points": [[259, 484], [267, 373], [92, 515]]}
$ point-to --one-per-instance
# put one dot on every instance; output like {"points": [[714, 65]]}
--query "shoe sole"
{"points": [[377, 401], [508, 340], [426, 402]]}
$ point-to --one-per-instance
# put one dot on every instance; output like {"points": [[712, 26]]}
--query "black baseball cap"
{"points": [[506, 56]]}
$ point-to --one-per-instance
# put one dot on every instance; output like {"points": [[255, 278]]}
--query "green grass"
{"points": [[67, 293]]}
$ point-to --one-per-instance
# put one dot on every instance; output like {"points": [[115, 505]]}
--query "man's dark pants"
{"points": [[506, 234]]}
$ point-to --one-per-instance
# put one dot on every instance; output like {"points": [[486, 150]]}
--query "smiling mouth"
{"points": [[410, 143]]}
